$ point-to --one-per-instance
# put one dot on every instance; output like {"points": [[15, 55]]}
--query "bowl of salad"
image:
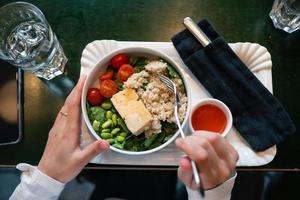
{"points": [[124, 102]]}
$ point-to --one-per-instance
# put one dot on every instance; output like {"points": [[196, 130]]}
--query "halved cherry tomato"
{"points": [[107, 75], [125, 72], [119, 60], [94, 96], [108, 88]]}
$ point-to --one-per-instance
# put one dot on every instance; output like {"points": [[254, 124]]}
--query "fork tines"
{"points": [[171, 86], [167, 82]]}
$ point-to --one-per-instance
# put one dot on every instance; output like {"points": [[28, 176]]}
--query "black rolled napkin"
{"points": [[257, 114]]}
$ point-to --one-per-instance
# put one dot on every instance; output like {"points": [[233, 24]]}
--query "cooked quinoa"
{"points": [[156, 96]]}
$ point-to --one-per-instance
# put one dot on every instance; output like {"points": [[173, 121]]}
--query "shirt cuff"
{"points": [[39, 183], [221, 192]]}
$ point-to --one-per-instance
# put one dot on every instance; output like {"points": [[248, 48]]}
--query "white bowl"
{"points": [[100, 68], [220, 105]]}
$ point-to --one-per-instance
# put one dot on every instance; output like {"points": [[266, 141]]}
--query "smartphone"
{"points": [[11, 104]]}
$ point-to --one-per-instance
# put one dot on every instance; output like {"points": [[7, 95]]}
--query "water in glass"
{"points": [[28, 42], [285, 15]]}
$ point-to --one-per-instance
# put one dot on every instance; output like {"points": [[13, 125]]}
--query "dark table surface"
{"points": [[78, 22]]}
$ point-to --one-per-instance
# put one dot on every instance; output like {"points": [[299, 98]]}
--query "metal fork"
{"points": [[172, 87]]}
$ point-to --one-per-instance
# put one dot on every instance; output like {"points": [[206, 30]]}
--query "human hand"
{"points": [[214, 156], [63, 158]]}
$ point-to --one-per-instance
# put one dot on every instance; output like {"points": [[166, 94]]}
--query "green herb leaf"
{"points": [[122, 124], [150, 140], [97, 113], [119, 85], [169, 128], [139, 63], [172, 72], [134, 143]]}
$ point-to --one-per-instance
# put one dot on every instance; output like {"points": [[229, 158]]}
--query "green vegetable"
{"points": [[123, 134], [109, 114], [110, 140], [123, 125], [107, 124], [118, 145], [139, 63], [106, 105], [120, 139], [119, 85], [97, 113], [96, 125], [106, 135], [140, 143], [106, 130], [172, 72], [133, 60], [115, 131], [167, 138], [114, 119], [169, 128], [134, 143], [150, 140]]}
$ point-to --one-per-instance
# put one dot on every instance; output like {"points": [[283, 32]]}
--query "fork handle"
{"points": [[197, 179], [194, 167], [195, 172]]}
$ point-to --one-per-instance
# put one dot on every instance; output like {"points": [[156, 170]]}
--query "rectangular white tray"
{"points": [[256, 57]]}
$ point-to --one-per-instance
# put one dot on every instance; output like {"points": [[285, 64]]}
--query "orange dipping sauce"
{"points": [[209, 118]]}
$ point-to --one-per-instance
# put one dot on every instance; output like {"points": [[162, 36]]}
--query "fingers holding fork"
{"points": [[215, 166]]}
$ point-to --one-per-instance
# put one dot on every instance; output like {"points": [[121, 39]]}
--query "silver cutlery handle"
{"points": [[194, 167], [196, 31], [196, 173]]}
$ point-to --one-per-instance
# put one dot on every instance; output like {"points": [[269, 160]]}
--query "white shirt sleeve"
{"points": [[35, 185], [222, 192]]}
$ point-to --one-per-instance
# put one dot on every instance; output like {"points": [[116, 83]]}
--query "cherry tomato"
{"points": [[94, 96], [125, 72], [119, 60], [107, 75], [108, 88]]}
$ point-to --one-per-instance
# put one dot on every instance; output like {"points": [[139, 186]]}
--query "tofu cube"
{"points": [[133, 111], [138, 118], [121, 99]]}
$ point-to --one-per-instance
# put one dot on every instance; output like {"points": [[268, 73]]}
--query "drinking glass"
{"points": [[285, 15], [28, 42]]}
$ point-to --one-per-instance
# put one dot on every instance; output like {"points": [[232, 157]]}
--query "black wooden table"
{"points": [[78, 22]]}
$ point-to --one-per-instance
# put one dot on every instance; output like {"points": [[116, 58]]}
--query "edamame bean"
{"points": [[96, 125], [118, 145], [110, 140], [115, 131], [114, 119], [123, 134], [106, 130], [106, 135], [109, 114], [106, 105], [107, 124], [120, 138]]}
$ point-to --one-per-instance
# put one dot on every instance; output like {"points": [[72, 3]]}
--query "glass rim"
{"points": [[288, 3]]}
